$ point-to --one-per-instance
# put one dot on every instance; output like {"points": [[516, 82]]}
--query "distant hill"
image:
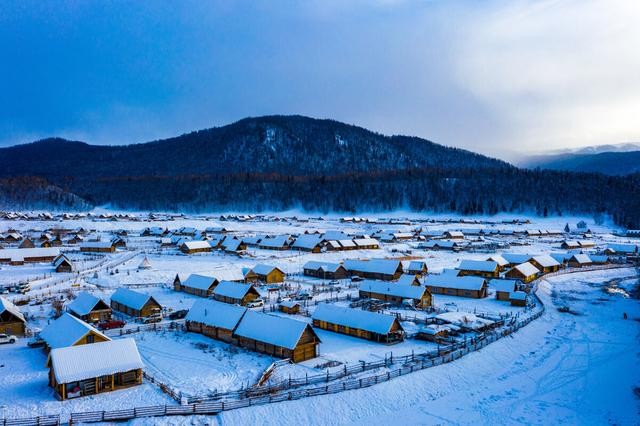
{"points": [[609, 163], [283, 162]]}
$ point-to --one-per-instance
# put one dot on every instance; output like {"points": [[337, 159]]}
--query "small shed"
{"points": [[290, 307], [62, 264]]}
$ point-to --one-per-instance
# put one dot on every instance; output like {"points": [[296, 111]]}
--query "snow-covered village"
{"points": [[167, 318]]}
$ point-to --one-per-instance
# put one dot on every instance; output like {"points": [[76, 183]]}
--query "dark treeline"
{"points": [[463, 191]]}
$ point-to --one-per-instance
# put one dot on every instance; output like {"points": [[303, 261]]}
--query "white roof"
{"points": [[518, 295], [262, 269], [501, 261], [335, 235], [234, 274], [231, 289], [290, 303], [465, 319], [216, 314], [130, 298], [66, 331], [307, 241], [503, 285], [478, 265], [407, 279], [405, 291], [362, 242], [346, 243], [416, 265], [454, 233], [354, 318], [527, 269], [75, 363], [276, 330], [26, 253], [59, 259], [546, 261], [516, 257], [454, 281], [6, 305], [325, 266], [581, 258], [195, 245], [96, 244], [83, 303], [381, 266], [199, 282], [277, 241]]}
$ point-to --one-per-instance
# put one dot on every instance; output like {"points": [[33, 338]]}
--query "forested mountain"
{"points": [[609, 163], [279, 162]]}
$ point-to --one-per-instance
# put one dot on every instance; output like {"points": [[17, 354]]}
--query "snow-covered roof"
{"points": [[60, 259], [478, 265], [503, 285], [501, 261], [465, 319], [527, 269], [546, 261], [518, 295], [453, 281], [347, 243], [66, 331], [83, 303], [457, 234], [6, 305], [199, 282], [75, 363], [580, 258], [96, 244], [196, 245], [263, 269], [216, 314], [516, 258], [231, 244], [560, 257], [277, 241], [130, 298], [416, 265], [276, 330], [307, 241], [335, 235], [379, 266], [405, 291], [622, 248], [232, 289], [228, 274], [407, 279], [354, 318], [325, 266], [363, 242], [290, 303], [26, 253]]}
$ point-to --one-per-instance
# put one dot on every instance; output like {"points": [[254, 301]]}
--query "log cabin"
{"points": [[366, 243], [503, 288], [481, 268], [453, 285], [518, 298], [290, 307], [417, 267], [34, 255], [267, 274], [12, 321], [78, 371], [409, 279], [69, 330], [309, 242], [26, 243], [375, 269], [62, 264], [134, 304], [358, 323], [89, 308], [214, 319], [501, 261], [191, 247], [196, 284], [545, 263], [524, 272], [235, 293], [279, 242], [277, 336], [325, 270], [396, 293], [579, 260], [97, 247]]}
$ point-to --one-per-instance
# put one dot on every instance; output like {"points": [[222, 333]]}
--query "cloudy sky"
{"points": [[497, 76]]}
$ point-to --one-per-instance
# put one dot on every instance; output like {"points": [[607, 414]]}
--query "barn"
{"points": [[235, 293], [325, 270], [482, 268], [503, 288], [524, 272], [277, 336], [214, 319], [77, 371], [89, 308], [191, 247], [196, 284], [358, 323], [375, 269], [134, 304], [11, 319], [70, 331], [453, 285], [396, 293], [267, 274]]}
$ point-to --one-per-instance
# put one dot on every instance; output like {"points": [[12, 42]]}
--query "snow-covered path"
{"points": [[560, 369]]}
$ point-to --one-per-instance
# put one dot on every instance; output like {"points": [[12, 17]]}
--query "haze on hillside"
{"points": [[496, 77]]}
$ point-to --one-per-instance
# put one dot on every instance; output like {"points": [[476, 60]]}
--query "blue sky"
{"points": [[498, 77]]}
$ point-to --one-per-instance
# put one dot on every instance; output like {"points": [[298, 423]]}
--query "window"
{"points": [[91, 338]]}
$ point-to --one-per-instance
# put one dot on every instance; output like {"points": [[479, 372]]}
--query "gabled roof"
{"points": [[233, 290], [417, 265], [84, 303], [75, 363], [199, 282], [130, 298], [580, 258], [277, 241], [335, 235], [501, 261], [452, 281], [216, 314], [6, 305], [405, 291], [623, 248], [276, 330], [325, 266], [503, 285], [478, 265], [308, 241], [516, 258], [195, 245], [546, 261], [262, 269], [379, 266], [363, 242], [354, 318], [96, 244], [66, 331], [527, 269]]}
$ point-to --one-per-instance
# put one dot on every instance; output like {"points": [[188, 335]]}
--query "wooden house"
{"points": [[570, 245], [78, 371], [196, 284], [97, 247], [279, 242], [579, 260], [524, 272], [309, 242], [408, 279], [481, 268], [267, 274], [69, 330], [375, 269], [214, 319], [453, 235], [515, 258], [26, 243], [277, 336], [366, 243], [62, 264], [89, 308], [396, 293], [232, 245], [503, 288], [325, 270], [417, 267], [501, 261], [545, 263], [191, 247], [135, 304], [358, 323], [11, 319], [235, 293], [290, 307], [453, 285], [17, 256], [518, 298]]}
